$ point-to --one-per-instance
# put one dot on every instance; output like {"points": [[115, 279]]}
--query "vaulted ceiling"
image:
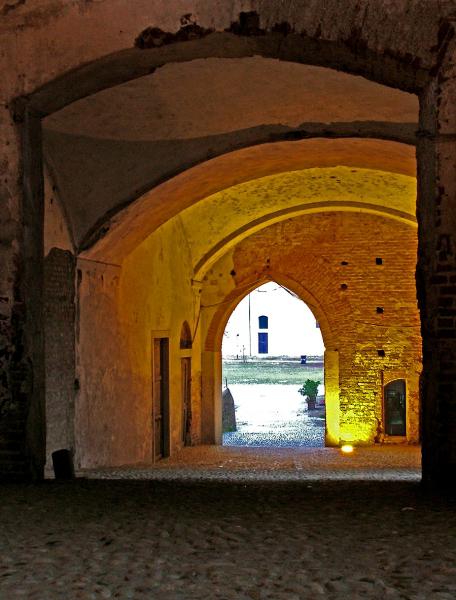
{"points": [[141, 152]]}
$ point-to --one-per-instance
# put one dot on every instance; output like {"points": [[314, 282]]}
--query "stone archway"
{"points": [[355, 295], [345, 46], [212, 357]]}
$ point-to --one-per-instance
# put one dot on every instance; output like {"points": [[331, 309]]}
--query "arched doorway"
{"points": [[214, 329], [273, 353], [356, 298]]}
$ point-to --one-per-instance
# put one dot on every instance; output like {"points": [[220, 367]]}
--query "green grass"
{"points": [[271, 371]]}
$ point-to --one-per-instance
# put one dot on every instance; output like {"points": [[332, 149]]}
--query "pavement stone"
{"points": [[148, 537]]}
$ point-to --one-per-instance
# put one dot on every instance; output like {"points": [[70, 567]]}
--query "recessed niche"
{"points": [[379, 310], [381, 353], [379, 261], [343, 286]]}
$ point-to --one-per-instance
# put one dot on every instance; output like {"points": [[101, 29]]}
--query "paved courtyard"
{"points": [[178, 532], [274, 416]]}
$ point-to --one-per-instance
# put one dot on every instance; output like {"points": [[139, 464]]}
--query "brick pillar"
{"points": [[59, 327], [436, 272]]}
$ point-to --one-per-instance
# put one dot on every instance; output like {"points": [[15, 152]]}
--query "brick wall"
{"points": [[361, 270], [59, 323]]}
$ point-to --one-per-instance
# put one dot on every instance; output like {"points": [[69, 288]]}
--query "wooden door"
{"points": [[160, 399], [186, 369]]}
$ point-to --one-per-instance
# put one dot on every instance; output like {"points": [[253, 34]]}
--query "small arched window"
{"points": [[263, 322], [185, 337]]}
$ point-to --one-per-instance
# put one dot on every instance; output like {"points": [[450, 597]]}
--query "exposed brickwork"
{"points": [[334, 257], [59, 320]]}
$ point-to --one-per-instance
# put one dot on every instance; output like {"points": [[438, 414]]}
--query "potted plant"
{"points": [[310, 391]]}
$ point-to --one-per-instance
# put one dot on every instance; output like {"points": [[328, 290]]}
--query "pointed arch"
{"points": [[213, 341]]}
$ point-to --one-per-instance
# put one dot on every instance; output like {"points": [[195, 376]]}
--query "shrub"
{"points": [[310, 391]]}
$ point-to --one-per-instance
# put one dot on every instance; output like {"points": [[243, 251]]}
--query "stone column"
{"points": [[332, 402]]}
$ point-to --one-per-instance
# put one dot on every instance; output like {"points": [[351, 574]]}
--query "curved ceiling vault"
{"points": [[108, 150], [222, 220], [141, 218], [213, 96], [218, 223]]}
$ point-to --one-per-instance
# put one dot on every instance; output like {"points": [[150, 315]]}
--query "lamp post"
{"points": [[250, 331]]}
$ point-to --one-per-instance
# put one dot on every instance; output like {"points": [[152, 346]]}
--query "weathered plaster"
{"points": [[119, 311], [137, 221], [56, 234], [204, 98], [157, 126]]}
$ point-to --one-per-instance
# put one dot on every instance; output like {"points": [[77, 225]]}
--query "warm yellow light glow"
{"points": [[332, 396], [347, 448], [357, 432], [230, 215]]}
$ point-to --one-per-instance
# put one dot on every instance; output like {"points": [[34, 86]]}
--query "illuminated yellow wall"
{"points": [[334, 257], [228, 239], [122, 309], [158, 295]]}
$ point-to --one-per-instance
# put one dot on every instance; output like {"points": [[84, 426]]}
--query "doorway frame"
{"points": [[211, 393], [164, 338]]}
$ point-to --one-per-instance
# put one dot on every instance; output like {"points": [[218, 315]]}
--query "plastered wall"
{"points": [[121, 309]]}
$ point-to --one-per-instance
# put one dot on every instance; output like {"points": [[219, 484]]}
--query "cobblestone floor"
{"points": [[308, 432], [175, 541], [274, 415], [224, 463], [283, 539]]}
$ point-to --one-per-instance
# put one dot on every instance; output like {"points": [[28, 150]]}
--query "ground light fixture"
{"points": [[347, 448]]}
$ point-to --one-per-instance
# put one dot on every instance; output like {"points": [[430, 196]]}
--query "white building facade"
{"points": [[271, 321]]}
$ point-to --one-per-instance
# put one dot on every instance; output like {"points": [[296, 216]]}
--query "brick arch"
{"points": [[348, 270], [124, 231], [213, 340], [267, 220], [212, 344]]}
